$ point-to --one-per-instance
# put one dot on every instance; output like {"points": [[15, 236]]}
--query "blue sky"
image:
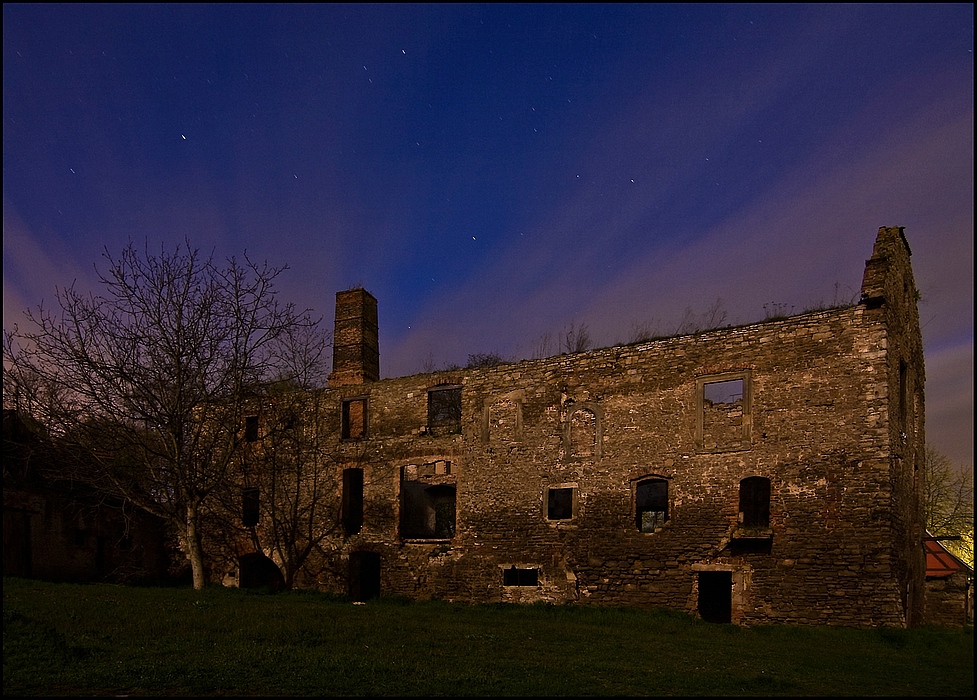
{"points": [[496, 173]]}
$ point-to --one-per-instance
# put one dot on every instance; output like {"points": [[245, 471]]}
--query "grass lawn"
{"points": [[66, 639]]}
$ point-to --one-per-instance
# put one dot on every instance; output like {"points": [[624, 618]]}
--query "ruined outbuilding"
{"points": [[949, 586], [769, 473]]}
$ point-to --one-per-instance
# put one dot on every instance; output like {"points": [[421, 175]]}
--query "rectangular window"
{"points": [[723, 421], [354, 419], [352, 515], [444, 408], [251, 428], [520, 577], [250, 501], [559, 503], [903, 396], [427, 511]]}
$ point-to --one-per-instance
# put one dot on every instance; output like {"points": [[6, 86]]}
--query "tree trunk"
{"points": [[194, 548]]}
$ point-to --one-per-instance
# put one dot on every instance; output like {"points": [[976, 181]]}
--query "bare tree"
{"points": [[642, 332], [948, 501], [151, 379], [575, 338], [485, 360], [292, 469], [775, 311], [543, 347], [712, 318], [298, 480]]}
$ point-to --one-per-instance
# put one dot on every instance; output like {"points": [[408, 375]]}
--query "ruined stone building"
{"points": [[57, 529], [757, 474]]}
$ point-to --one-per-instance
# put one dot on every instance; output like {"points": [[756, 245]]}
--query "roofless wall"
{"points": [[760, 474]]}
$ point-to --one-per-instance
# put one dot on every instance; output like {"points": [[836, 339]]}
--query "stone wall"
{"points": [[950, 600], [549, 467]]}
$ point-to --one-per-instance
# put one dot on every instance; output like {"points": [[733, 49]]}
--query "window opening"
{"points": [[559, 504], [290, 419], [723, 421], [430, 469], [502, 422], [426, 511], [651, 504], [352, 514], [444, 408], [250, 506], [251, 428], [514, 576], [755, 501], [354, 420]]}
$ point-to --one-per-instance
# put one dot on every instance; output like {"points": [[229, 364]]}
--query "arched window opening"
{"points": [[651, 504], [755, 501], [584, 433]]}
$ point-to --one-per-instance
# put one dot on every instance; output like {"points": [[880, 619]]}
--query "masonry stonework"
{"points": [[760, 474]]}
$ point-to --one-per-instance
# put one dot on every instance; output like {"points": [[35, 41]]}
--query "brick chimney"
{"points": [[356, 346]]}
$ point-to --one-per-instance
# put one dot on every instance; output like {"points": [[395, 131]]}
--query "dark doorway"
{"points": [[255, 570], [364, 576], [17, 555], [715, 596]]}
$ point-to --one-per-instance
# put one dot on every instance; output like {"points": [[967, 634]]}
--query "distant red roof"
{"points": [[939, 562]]}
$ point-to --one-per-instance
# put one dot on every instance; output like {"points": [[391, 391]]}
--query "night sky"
{"points": [[496, 173]]}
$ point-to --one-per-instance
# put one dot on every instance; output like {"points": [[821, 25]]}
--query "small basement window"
{"points": [[515, 576]]}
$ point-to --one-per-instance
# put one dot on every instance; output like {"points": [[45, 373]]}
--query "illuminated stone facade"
{"points": [[758, 474]]}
